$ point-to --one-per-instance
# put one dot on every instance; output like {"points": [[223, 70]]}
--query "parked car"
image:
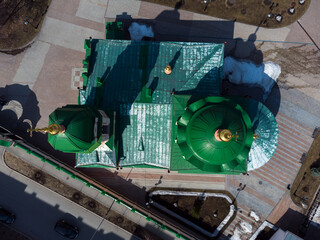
{"points": [[6, 216], [67, 230]]}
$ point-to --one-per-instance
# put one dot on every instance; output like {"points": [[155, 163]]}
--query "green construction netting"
{"points": [[4, 143]]}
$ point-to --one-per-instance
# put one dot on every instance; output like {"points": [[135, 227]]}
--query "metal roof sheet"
{"points": [[145, 138], [128, 69]]}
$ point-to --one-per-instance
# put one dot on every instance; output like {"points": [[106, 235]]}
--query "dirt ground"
{"points": [[20, 22], [208, 213], [254, 12], [305, 186], [61, 188]]}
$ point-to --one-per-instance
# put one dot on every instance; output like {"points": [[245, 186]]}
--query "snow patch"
{"points": [[14, 106], [138, 31], [246, 72], [236, 234], [254, 216], [243, 228], [246, 227]]}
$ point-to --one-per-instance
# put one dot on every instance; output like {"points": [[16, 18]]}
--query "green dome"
{"points": [[78, 122], [199, 128]]}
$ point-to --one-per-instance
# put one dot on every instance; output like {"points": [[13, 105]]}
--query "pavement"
{"points": [[46, 76], [38, 209]]}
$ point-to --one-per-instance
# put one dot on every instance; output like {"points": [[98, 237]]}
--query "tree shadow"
{"points": [[20, 104]]}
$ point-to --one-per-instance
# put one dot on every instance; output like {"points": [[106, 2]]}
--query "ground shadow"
{"points": [[272, 101], [298, 224], [19, 108], [168, 26], [37, 218], [20, 103]]}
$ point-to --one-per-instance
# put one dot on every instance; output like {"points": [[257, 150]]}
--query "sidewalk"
{"points": [[90, 192]]}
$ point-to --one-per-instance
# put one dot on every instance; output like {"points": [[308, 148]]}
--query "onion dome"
{"points": [[215, 135], [80, 129]]}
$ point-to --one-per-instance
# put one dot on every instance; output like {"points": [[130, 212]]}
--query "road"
{"points": [[59, 49], [38, 209]]}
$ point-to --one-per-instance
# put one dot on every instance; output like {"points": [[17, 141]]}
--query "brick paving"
{"points": [[242, 215], [280, 171], [66, 27], [281, 208]]}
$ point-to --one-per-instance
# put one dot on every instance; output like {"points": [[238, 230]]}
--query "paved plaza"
{"points": [[46, 76]]}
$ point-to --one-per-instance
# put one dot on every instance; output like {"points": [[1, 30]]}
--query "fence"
{"points": [[75, 175]]}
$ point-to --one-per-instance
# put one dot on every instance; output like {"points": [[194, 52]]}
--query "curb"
{"points": [[64, 197]]}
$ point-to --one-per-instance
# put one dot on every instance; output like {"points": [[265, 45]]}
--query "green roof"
{"points": [[196, 128], [125, 67], [79, 129], [127, 74], [146, 137], [265, 126]]}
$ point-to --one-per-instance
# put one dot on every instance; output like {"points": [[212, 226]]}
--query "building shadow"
{"points": [[168, 26], [20, 103], [298, 224], [36, 218], [19, 108], [272, 101], [119, 88]]}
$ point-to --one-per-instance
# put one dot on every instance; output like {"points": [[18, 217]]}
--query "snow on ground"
{"points": [[138, 31], [254, 216], [316, 218], [242, 229], [246, 72]]}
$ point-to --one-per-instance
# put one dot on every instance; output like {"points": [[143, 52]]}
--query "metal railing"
{"points": [[44, 157]]}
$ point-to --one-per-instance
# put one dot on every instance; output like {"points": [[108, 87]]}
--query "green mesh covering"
{"points": [[4, 143], [125, 73], [265, 126]]}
